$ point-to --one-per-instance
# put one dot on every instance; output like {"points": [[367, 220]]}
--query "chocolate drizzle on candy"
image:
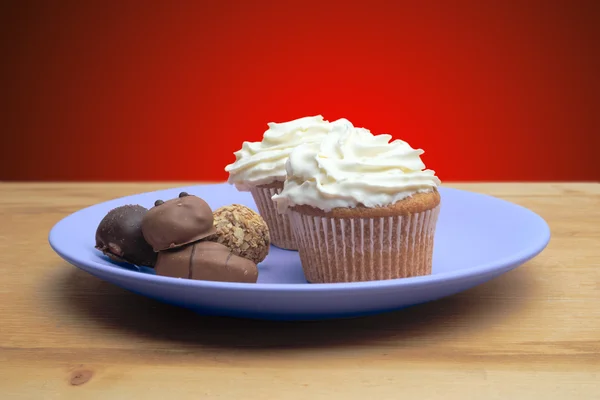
{"points": [[208, 261]]}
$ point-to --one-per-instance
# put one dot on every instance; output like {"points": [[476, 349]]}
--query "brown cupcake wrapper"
{"points": [[365, 249], [280, 227]]}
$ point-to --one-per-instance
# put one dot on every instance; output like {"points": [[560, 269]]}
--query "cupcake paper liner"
{"points": [[365, 249], [280, 229]]}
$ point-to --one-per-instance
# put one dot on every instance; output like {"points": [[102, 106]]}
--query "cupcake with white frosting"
{"points": [[260, 168], [362, 208]]}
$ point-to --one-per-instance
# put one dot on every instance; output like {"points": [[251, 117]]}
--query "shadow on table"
{"points": [[110, 307]]}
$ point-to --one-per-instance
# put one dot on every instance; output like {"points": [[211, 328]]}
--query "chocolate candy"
{"points": [[243, 231], [119, 236], [207, 261], [177, 222]]}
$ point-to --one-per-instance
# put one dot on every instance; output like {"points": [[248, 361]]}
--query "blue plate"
{"points": [[478, 238]]}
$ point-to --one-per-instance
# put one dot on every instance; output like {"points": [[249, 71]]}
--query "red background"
{"points": [[167, 90]]}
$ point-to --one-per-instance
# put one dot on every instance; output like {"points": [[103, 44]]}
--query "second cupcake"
{"points": [[260, 168], [362, 208]]}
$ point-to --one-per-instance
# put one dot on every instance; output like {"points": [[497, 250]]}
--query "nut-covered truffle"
{"points": [[243, 231], [119, 236], [177, 222], [207, 261]]}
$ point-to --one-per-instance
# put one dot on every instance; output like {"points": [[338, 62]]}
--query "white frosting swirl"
{"points": [[351, 167], [259, 163]]}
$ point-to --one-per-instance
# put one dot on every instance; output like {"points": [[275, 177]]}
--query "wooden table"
{"points": [[533, 333]]}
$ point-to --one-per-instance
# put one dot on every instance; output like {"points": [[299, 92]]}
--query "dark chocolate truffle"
{"points": [[119, 236], [208, 261], [177, 222]]}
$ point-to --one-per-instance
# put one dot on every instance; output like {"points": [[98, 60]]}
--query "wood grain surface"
{"points": [[533, 333]]}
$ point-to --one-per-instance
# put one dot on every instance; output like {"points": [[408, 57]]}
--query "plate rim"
{"points": [[514, 259]]}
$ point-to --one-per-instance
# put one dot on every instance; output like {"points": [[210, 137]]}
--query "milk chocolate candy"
{"points": [[209, 261], [177, 222]]}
